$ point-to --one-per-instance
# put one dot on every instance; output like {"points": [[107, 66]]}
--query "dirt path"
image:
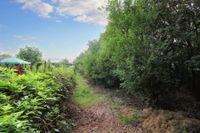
{"points": [[100, 118], [98, 110]]}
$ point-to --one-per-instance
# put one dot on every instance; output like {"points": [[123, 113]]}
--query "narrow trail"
{"points": [[98, 110]]}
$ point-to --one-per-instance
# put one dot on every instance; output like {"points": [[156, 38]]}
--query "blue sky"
{"points": [[59, 28]]}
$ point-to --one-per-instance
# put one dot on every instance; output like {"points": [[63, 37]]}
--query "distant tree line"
{"points": [[34, 56]]}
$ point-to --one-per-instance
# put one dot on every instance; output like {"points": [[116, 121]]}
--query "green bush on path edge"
{"points": [[34, 102]]}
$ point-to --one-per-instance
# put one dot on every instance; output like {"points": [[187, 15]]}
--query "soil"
{"points": [[99, 118], [102, 117]]}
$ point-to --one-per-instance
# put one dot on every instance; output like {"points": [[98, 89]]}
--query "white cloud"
{"points": [[87, 11], [11, 51], [25, 38], [83, 10], [58, 21], [54, 1], [38, 6]]}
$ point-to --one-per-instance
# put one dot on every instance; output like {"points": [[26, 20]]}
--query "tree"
{"points": [[64, 62], [31, 54], [2, 56], [150, 48]]}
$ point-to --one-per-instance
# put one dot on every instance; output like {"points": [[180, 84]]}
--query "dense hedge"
{"points": [[34, 102], [150, 48]]}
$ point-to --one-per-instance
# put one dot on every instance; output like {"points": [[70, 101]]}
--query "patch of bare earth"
{"points": [[163, 121], [99, 118], [102, 118]]}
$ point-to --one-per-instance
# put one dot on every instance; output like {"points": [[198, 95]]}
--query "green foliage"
{"points": [[30, 54], [149, 48], [34, 102], [181, 131], [3, 56], [83, 94], [128, 119], [94, 64], [64, 62]]}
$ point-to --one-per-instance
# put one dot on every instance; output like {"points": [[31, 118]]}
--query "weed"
{"points": [[83, 94], [129, 118]]}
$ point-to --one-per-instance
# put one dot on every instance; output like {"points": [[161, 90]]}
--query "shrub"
{"points": [[34, 102]]}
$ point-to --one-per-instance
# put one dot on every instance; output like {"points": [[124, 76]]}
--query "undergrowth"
{"points": [[35, 102], [83, 94], [129, 118]]}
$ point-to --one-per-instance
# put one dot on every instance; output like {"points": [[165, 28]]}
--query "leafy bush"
{"points": [[34, 102], [149, 48]]}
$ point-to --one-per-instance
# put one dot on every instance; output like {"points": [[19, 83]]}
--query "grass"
{"points": [[182, 130], [128, 119], [83, 94]]}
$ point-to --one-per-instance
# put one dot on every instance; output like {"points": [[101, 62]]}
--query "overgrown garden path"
{"points": [[99, 110]]}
